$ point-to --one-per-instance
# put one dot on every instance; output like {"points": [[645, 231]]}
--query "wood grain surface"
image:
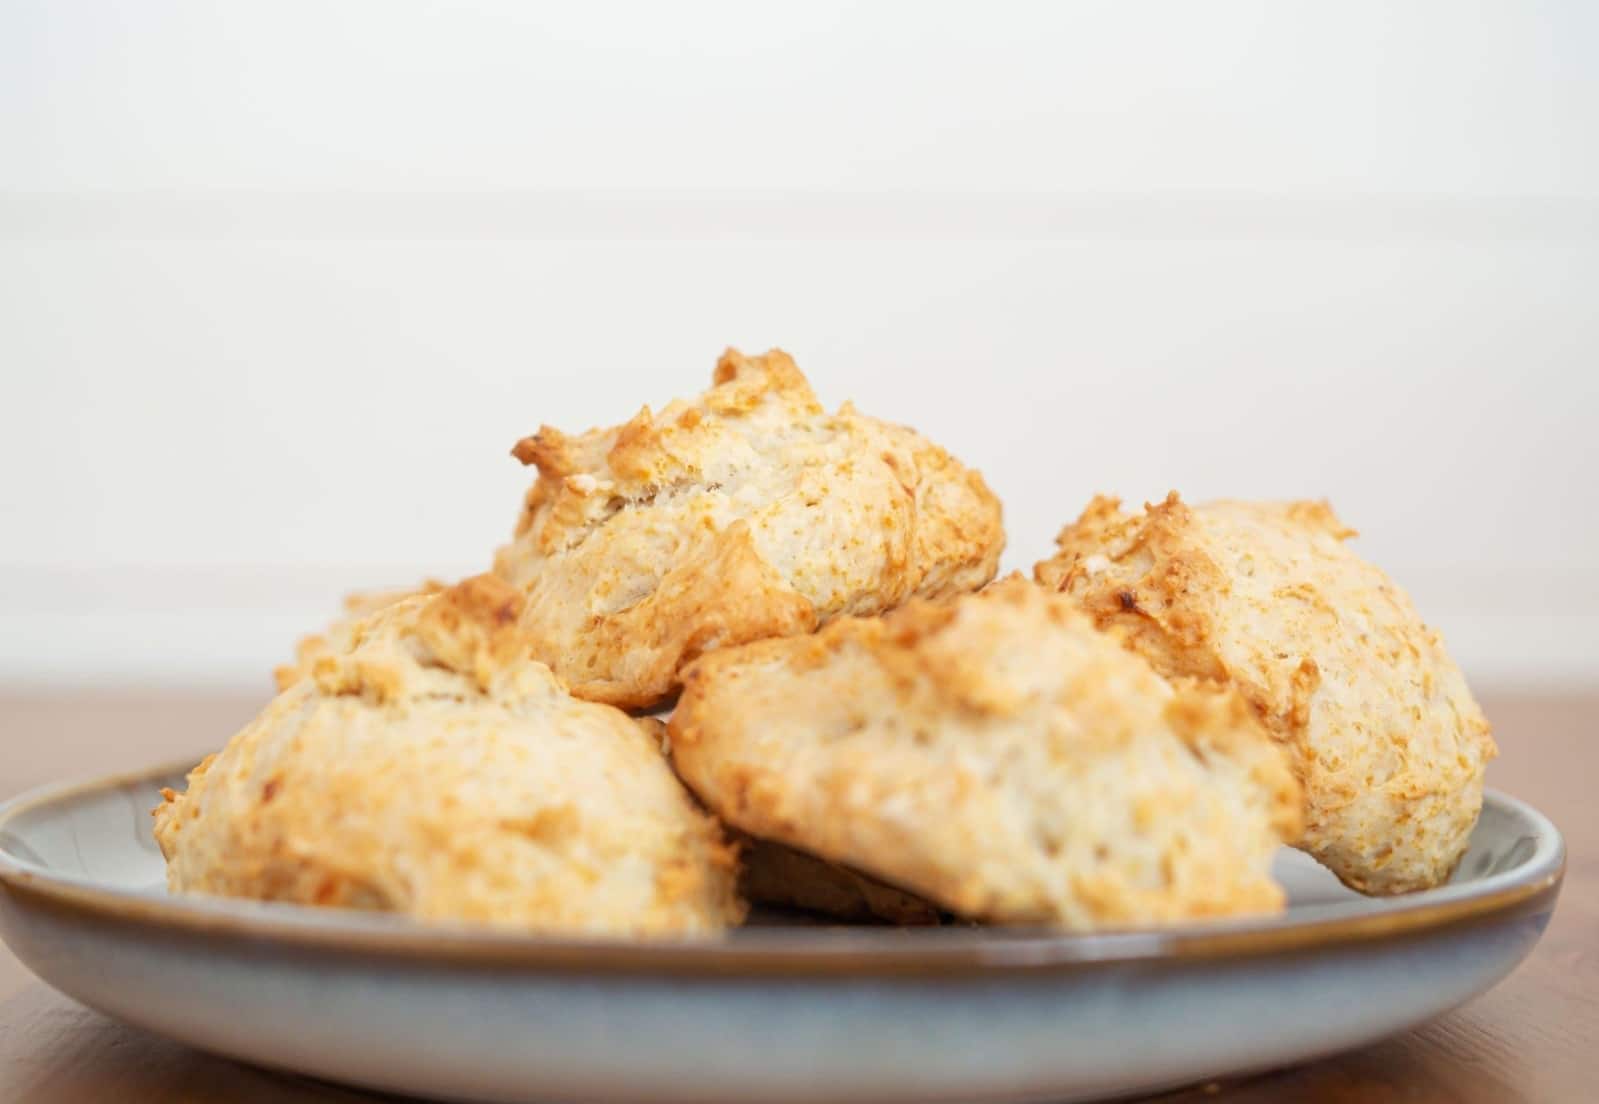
{"points": [[1534, 1038]]}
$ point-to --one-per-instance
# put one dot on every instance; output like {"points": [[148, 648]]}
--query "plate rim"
{"points": [[1527, 889]]}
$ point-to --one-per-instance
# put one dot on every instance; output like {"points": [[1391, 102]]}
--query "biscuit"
{"points": [[998, 756], [747, 512], [1383, 732], [429, 767]]}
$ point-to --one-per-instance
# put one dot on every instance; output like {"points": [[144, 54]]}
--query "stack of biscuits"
{"points": [[862, 721]]}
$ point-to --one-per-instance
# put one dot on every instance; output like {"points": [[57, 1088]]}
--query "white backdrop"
{"points": [[279, 286]]}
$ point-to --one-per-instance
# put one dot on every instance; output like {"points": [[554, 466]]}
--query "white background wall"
{"points": [[281, 284]]}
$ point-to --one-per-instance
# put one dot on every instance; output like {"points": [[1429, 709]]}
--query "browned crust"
{"points": [[638, 557], [1327, 650]]}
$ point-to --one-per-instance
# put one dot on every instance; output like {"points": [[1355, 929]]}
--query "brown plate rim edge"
{"points": [[756, 953]]}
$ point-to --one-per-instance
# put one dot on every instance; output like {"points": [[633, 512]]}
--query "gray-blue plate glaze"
{"points": [[773, 1013]]}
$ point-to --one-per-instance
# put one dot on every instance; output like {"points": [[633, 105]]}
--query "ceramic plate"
{"points": [[772, 1013]]}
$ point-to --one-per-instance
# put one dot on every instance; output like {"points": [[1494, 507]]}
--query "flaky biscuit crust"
{"points": [[1384, 733], [747, 512], [998, 756], [433, 768]]}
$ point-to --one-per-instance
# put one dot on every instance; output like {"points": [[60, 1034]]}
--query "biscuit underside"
{"points": [[781, 877]]}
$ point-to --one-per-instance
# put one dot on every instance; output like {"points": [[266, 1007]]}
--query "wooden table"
{"points": [[1535, 1038]]}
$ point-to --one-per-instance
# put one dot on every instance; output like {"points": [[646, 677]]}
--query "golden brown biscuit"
{"points": [[744, 513], [1384, 733], [432, 768], [998, 756]]}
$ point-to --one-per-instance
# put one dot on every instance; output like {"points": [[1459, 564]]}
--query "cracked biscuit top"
{"points": [[744, 513], [1266, 596], [426, 764]]}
